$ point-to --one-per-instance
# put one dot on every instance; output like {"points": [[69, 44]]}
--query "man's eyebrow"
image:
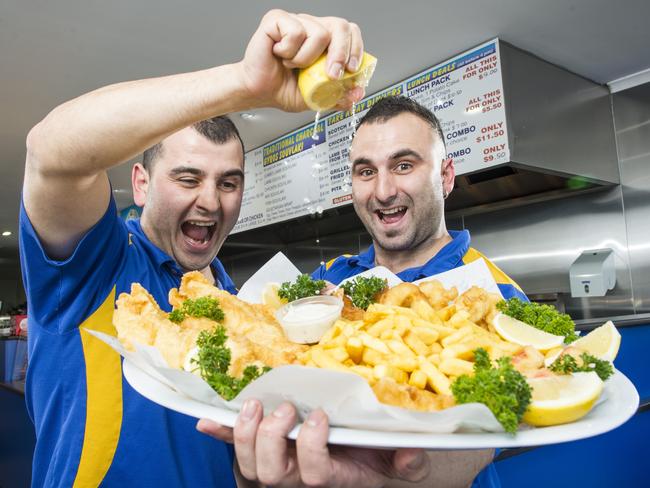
{"points": [[233, 172], [359, 161], [186, 169], [198, 172], [402, 153]]}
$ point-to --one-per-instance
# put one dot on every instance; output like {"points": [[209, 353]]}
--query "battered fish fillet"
{"points": [[254, 336], [138, 318], [480, 304], [438, 296], [253, 322], [401, 295]]}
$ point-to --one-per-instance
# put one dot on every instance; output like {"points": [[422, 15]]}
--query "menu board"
{"points": [[304, 173]]}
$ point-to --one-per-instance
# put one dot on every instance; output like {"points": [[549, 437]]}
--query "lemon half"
{"points": [[518, 332], [322, 93], [270, 296], [602, 342], [560, 399]]}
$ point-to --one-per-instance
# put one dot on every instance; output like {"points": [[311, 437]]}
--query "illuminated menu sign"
{"points": [[302, 173]]}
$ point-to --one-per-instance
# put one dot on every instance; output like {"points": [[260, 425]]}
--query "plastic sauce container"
{"points": [[306, 320]]}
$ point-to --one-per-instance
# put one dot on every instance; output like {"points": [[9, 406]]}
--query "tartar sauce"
{"points": [[188, 364], [307, 312], [306, 320]]}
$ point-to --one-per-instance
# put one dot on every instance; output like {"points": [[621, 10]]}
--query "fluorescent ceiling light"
{"points": [[629, 81]]}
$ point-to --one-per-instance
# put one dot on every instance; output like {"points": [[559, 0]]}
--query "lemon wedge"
{"points": [[270, 296], [559, 399], [551, 355], [322, 93], [518, 332], [602, 342]]}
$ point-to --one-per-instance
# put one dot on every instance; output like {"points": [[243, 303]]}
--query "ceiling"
{"points": [[53, 51]]}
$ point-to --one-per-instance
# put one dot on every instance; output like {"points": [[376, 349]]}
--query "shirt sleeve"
{"points": [[335, 270], [223, 279], [61, 294], [510, 291], [487, 478], [319, 273]]}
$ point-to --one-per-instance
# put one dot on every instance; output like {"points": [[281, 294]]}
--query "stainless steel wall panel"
{"points": [[557, 120], [632, 122], [536, 244]]}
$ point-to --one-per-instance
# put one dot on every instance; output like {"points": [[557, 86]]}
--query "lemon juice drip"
{"points": [[314, 134], [315, 166], [354, 119]]}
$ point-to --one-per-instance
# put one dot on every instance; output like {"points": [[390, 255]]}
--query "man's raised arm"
{"points": [[66, 188]]}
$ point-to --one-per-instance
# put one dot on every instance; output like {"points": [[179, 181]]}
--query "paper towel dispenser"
{"points": [[593, 273]]}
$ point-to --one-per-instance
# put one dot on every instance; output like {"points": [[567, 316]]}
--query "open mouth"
{"points": [[197, 232], [391, 215]]}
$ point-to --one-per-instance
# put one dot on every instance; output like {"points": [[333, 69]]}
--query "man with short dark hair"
{"points": [[218, 129], [77, 256], [401, 177]]}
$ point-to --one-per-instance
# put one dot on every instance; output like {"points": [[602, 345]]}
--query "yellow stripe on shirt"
{"points": [[103, 400], [499, 276], [329, 263]]}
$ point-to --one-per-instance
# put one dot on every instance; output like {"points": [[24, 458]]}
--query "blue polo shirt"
{"points": [[454, 254], [92, 428]]}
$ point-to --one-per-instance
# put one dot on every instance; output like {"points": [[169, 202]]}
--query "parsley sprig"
{"points": [[567, 364], [543, 317], [503, 389], [303, 287], [201, 307], [214, 360], [363, 291]]}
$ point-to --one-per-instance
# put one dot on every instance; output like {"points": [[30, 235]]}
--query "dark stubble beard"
{"points": [[423, 229]]}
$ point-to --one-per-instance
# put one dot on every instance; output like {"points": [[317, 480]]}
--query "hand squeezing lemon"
{"points": [[322, 93]]}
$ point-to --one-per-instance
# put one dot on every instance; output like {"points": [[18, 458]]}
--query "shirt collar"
{"points": [[161, 259], [365, 259], [447, 258]]}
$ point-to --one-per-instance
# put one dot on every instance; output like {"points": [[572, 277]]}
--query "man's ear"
{"points": [[139, 183], [448, 174]]}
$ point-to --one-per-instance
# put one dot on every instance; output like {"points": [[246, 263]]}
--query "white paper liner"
{"points": [[278, 269], [464, 277], [378, 271]]}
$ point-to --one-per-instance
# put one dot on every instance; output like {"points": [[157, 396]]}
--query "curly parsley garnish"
{"points": [[363, 291], [303, 287], [214, 360], [503, 389], [207, 307], [543, 317], [567, 364]]}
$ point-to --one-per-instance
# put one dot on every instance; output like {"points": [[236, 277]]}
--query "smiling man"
{"points": [[401, 177]]}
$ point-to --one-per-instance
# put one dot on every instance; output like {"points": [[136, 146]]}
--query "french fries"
{"points": [[413, 343]]}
